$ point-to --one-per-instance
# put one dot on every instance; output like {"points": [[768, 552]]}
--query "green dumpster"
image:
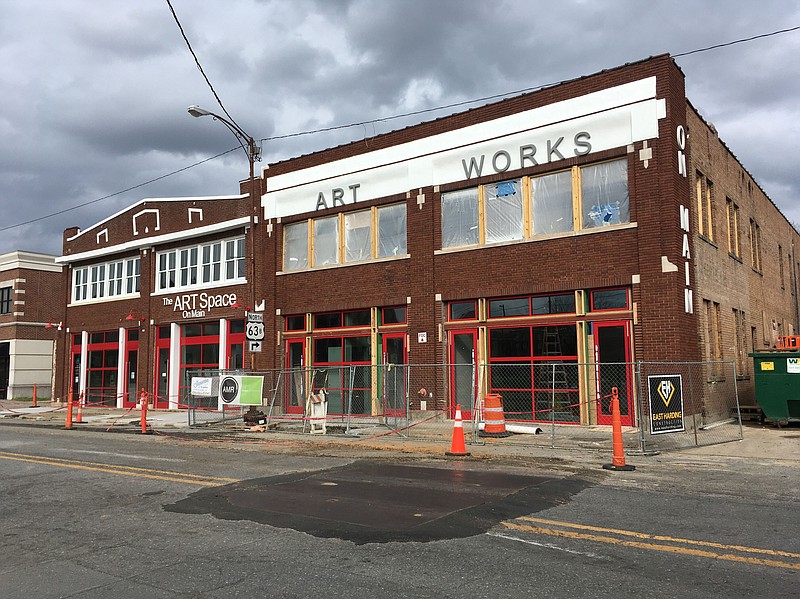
{"points": [[778, 384]]}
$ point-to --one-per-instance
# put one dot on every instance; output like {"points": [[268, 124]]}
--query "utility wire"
{"points": [[199, 66], [362, 123], [116, 193], [741, 41]]}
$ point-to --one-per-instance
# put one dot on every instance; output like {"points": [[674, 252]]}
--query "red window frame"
{"points": [[383, 317], [450, 317], [627, 299], [104, 394], [498, 299], [533, 360]]}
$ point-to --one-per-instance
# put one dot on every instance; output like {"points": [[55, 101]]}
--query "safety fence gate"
{"points": [[557, 403]]}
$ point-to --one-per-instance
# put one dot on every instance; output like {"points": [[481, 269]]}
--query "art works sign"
{"points": [[199, 305]]}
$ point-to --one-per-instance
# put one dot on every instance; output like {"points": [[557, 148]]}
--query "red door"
{"points": [[393, 384], [463, 371], [612, 358], [295, 383]]}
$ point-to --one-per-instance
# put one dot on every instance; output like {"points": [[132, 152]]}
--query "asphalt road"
{"points": [[85, 514]]}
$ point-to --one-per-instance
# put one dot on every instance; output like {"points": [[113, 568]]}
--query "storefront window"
{"points": [[101, 368], [342, 366], [535, 370]]}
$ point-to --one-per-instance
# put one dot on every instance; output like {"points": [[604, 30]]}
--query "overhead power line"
{"points": [[199, 66], [358, 124], [741, 41], [116, 193]]}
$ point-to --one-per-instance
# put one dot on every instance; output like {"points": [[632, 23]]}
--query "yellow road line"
{"points": [[653, 546], [643, 535], [180, 477]]}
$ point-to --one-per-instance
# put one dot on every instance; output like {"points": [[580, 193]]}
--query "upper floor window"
{"points": [[755, 245], [119, 278], [581, 198], [378, 232], [732, 210], [704, 195], [215, 262], [5, 300]]}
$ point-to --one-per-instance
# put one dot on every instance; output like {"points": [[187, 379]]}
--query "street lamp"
{"points": [[253, 152]]}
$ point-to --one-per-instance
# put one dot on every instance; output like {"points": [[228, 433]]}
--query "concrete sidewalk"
{"points": [[760, 442]]}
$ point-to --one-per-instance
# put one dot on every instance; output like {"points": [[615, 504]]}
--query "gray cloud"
{"points": [[96, 93]]}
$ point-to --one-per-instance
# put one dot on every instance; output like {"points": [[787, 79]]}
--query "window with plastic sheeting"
{"points": [[392, 231], [295, 246], [604, 193], [504, 212], [552, 203], [326, 241], [460, 218], [358, 236]]}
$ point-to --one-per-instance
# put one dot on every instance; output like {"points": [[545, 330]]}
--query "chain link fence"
{"points": [[553, 403], [710, 404]]}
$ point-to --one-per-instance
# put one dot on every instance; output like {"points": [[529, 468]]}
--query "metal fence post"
{"points": [[350, 398], [640, 398], [736, 398], [552, 406]]}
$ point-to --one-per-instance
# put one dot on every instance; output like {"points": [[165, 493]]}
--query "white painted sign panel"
{"points": [[611, 118]]}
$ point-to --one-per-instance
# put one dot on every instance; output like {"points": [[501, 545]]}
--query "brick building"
{"points": [[31, 314], [600, 220]]}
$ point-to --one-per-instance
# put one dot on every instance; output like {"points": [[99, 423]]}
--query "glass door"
{"points": [[295, 376], [612, 356], [162, 378], [393, 389], [463, 373]]}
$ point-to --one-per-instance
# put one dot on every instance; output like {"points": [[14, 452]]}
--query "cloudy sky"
{"points": [[94, 94]]}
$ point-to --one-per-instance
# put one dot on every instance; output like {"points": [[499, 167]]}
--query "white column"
{"points": [[122, 359], [223, 343], [84, 360], [174, 383]]}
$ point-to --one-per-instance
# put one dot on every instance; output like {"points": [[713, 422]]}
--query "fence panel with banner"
{"points": [[544, 402], [687, 404]]}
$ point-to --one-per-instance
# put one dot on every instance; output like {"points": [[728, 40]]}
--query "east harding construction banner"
{"points": [[666, 404]]}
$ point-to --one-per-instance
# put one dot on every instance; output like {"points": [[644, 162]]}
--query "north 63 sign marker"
{"points": [[254, 329]]}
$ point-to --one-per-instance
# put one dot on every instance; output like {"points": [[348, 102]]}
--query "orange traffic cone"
{"points": [[79, 415], [618, 455], [457, 447]]}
